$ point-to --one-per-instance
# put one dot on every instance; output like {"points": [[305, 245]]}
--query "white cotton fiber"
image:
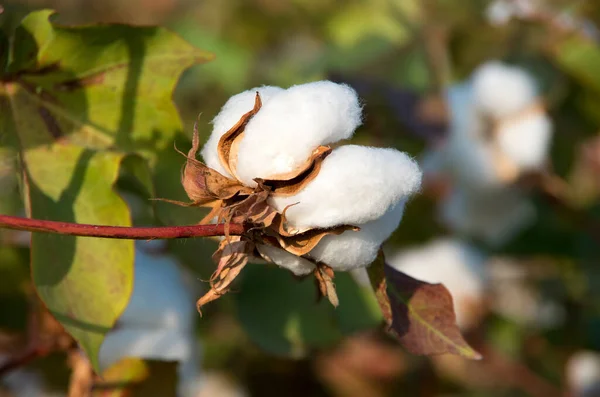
{"points": [[457, 265], [526, 140], [502, 91], [284, 133], [152, 344], [351, 250], [230, 114], [356, 184], [468, 158], [492, 215], [583, 373], [159, 298], [297, 265]]}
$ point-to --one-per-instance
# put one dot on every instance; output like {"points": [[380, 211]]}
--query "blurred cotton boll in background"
{"points": [[25, 383], [498, 131], [582, 373], [158, 323], [460, 267]]}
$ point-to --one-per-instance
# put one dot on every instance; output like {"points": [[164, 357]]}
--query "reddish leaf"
{"points": [[420, 314]]}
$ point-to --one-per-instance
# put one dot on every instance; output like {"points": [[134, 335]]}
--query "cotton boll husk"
{"points": [[356, 184], [526, 141], [583, 374], [351, 250], [288, 128], [297, 265], [230, 114], [493, 215], [159, 297], [466, 157], [457, 265], [501, 90]]}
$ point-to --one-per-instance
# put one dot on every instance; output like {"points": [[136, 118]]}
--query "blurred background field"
{"points": [[530, 303]]}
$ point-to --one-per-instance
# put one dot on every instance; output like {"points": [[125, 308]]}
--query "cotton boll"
{"points": [[499, 12], [356, 184], [151, 344], [501, 90], [351, 250], [297, 265], [230, 114], [284, 133], [583, 374], [158, 298], [526, 141], [467, 158], [493, 215], [457, 265]]}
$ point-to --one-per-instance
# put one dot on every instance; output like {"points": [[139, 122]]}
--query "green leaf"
{"points": [[579, 57], [282, 316], [85, 282], [419, 314], [75, 102], [104, 86]]}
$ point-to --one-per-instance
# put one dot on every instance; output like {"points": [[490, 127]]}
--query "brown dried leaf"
{"points": [[420, 314], [229, 142], [291, 183], [302, 243], [231, 258], [324, 278]]}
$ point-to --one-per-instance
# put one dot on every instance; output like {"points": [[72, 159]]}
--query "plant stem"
{"points": [[119, 232]]}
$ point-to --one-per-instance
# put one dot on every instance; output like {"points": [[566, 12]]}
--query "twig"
{"points": [[24, 358], [119, 232]]}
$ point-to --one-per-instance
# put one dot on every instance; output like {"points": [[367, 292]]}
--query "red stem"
{"points": [[119, 232]]}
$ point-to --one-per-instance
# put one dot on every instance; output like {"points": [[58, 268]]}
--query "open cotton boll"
{"points": [[151, 344], [297, 265], [467, 158], [159, 297], [493, 215], [351, 250], [501, 90], [356, 184], [526, 141], [583, 374], [230, 114], [286, 130], [457, 265]]}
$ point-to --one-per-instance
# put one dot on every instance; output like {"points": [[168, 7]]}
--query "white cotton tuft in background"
{"points": [[583, 374], [158, 322], [467, 158], [356, 184], [284, 133], [158, 299], [494, 216], [501, 90], [230, 114], [351, 250], [297, 265], [456, 264], [526, 140]]}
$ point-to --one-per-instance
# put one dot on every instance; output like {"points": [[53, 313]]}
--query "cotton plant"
{"points": [[315, 209], [460, 267], [158, 322], [498, 132]]}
